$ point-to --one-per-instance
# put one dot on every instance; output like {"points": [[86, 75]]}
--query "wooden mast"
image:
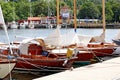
{"points": [[75, 26], [103, 15], [57, 12]]}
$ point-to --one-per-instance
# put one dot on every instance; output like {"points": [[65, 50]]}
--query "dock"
{"points": [[106, 70]]}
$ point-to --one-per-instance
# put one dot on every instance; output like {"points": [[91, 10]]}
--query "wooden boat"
{"points": [[83, 57], [101, 49], [32, 56], [6, 66], [42, 63], [82, 42]]}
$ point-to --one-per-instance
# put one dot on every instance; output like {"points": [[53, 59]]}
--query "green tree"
{"points": [[7, 11], [40, 7], [116, 11], [85, 8], [23, 9], [108, 12], [88, 10]]}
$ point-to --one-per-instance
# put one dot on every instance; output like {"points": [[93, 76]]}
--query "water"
{"points": [[110, 33]]}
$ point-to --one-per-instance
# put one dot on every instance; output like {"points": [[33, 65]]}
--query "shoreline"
{"points": [[81, 25]]}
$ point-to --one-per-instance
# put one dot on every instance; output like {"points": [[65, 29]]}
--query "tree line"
{"points": [[86, 9]]}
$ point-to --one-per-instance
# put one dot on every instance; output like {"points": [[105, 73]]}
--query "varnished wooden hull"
{"points": [[40, 62], [81, 56], [105, 49], [102, 51], [32, 61], [84, 56]]}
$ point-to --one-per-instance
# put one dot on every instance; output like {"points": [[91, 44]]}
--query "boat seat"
{"points": [[52, 55]]}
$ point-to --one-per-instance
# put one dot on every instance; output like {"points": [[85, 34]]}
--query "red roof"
{"points": [[34, 18]]}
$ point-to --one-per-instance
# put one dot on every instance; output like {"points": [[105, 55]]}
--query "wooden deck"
{"points": [[106, 70]]}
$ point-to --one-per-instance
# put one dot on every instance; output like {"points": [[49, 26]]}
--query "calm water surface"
{"points": [[110, 33]]}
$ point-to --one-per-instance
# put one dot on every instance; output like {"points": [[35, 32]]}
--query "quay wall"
{"points": [[85, 25]]}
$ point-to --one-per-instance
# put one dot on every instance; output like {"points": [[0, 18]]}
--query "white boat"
{"points": [[14, 25], [22, 26], [6, 66], [31, 25], [50, 26]]}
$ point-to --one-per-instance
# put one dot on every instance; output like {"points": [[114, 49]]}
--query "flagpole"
{"points": [[75, 26]]}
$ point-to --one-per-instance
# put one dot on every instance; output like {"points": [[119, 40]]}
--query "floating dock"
{"points": [[106, 70]]}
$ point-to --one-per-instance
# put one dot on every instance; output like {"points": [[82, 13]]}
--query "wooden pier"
{"points": [[106, 70]]}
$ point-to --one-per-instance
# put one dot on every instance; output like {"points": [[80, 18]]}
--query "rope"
{"points": [[93, 53], [10, 70], [25, 61], [37, 66]]}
